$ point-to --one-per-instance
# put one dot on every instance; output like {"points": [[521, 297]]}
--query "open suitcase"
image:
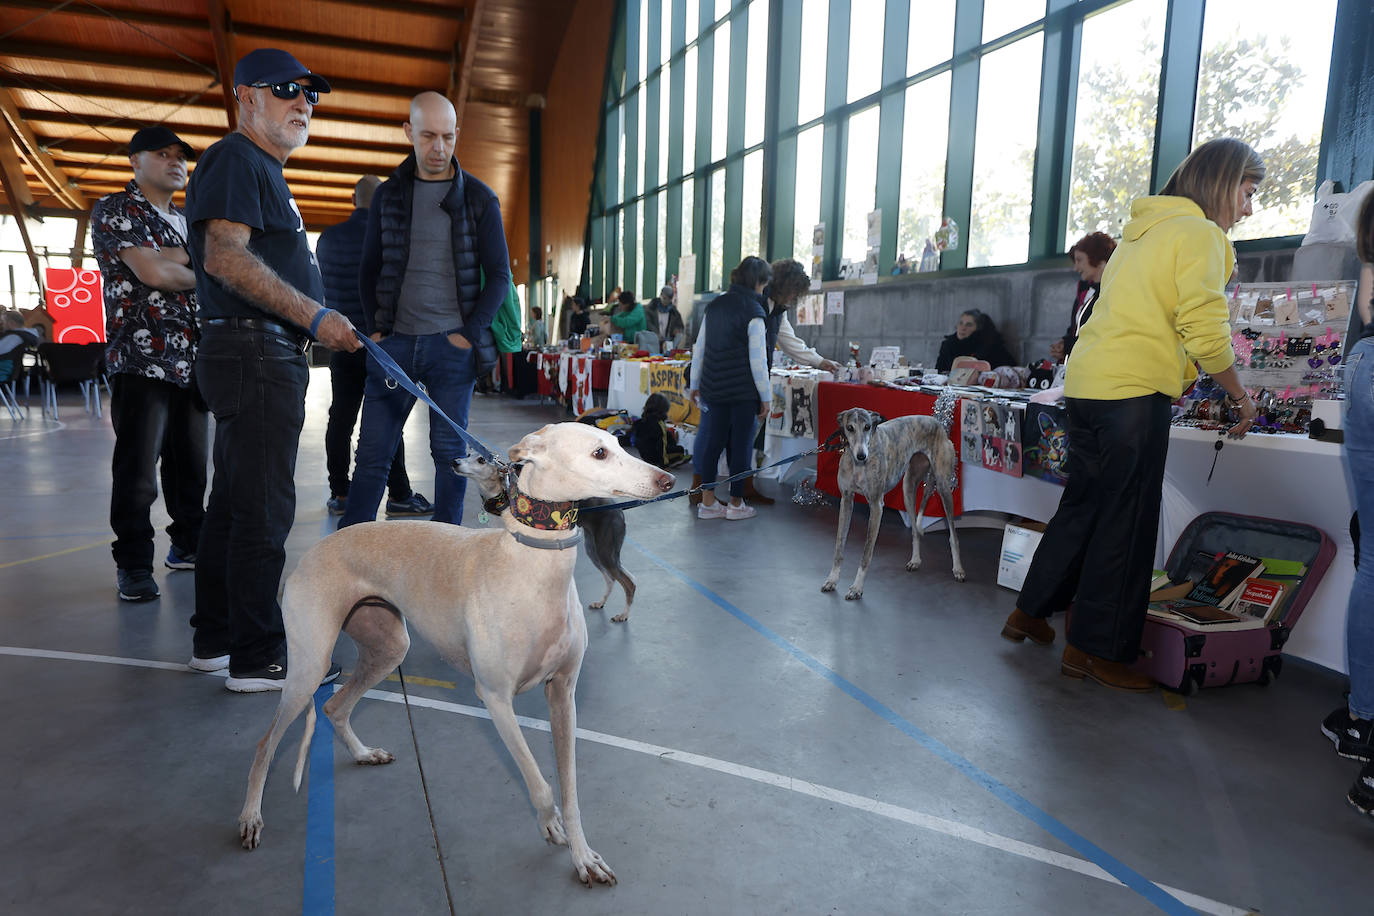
{"points": [[1184, 656]]}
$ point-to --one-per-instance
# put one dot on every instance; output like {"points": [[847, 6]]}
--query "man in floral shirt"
{"points": [[150, 304]]}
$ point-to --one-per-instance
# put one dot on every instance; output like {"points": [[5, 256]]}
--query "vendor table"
{"points": [[518, 374]]}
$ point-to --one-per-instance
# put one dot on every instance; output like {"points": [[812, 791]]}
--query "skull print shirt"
{"points": [[151, 332]]}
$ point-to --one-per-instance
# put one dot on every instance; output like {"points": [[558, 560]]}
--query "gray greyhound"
{"points": [[914, 450], [605, 528], [501, 605]]}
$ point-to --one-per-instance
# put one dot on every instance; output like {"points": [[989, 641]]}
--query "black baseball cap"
{"points": [[273, 65], [158, 137]]}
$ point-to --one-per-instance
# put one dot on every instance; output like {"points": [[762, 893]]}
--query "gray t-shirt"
{"points": [[428, 303]]}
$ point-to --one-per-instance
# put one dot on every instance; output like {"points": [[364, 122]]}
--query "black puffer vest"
{"points": [[465, 203], [726, 375], [772, 323]]}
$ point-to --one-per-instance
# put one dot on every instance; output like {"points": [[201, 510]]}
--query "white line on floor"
{"points": [[777, 780]]}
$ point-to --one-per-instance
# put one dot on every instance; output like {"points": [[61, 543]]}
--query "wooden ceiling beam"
{"points": [[448, 11], [38, 159], [459, 86], [16, 193], [56, 143], [218, 21], [82, 152], [147, 66], [179, 121], [336, 43]]}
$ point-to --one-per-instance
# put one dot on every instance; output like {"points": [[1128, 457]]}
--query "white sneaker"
{"points": [[743, 510], [715, 510], [213, 663]]}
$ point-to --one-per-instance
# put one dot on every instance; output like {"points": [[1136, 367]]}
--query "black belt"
{"points": [[298, 337]]}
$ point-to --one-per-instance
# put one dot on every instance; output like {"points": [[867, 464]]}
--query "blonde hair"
{"points": [[1213, 173]]}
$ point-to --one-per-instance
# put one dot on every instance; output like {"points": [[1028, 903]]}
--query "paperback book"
{"points": [[1222, 584]]}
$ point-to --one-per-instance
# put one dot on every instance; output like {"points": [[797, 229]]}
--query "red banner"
{"points": [[75, 304]]}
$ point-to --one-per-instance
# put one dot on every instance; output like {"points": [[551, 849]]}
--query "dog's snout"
{"points": [[860, 455], [665, 482]]}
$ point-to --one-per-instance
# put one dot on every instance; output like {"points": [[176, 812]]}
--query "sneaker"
{"points": [[742, 511], [416, 505], [177, 559], [208, 663], [137, 585], [336, 505], [270, 677], [1354, 738], [1361, 794], [715, 510]]}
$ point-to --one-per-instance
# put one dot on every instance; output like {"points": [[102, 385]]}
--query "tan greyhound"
{"points": [[499, 604]]}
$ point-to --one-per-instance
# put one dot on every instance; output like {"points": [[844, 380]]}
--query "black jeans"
{"points": [[254, 383], [1098, 550], [155, 420], [347, 375]]}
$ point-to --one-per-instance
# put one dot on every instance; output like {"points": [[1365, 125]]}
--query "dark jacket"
{"points": [[726, 375], [675, 323], [339, 251], [978, 345], [479, 246], [1085, 300]]}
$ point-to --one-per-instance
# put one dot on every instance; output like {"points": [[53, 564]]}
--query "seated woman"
{"points": [[975, 335], [1090, 255], [655, 440]]}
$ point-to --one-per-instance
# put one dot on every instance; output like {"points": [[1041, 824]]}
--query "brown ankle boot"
{"points": [[752, 495], [1115, 675], [1021, 626], [695, 498]]}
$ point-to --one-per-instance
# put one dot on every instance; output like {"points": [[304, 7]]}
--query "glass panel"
{"points": [[689, 110], [688, 202], [925, 131], [722, 7], [811, 82], [860, 182], [664, 110], [1003, 16], [1004, 162], [720, 92], [865, 47], [807, 209], [1114, 122], [630, 248], [755, 89], [619, 249], [665, 29], [641, 246], [751, 215], [620, 135], [693, 7], [931, 38], [718, 272], [661, 267], [614, 130], [1263, 80], [642, 133], [644, 39]]}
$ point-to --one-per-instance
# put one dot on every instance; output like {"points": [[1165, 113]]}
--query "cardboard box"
{"points": [[1018, 548]]}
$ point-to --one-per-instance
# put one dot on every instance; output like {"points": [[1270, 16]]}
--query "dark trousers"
{"points": [[347, 375], [728, 427], [254, 383], [158, 427], [1098, 550]]}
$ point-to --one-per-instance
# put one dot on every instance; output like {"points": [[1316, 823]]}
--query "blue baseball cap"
{"points": [[273, 65]]}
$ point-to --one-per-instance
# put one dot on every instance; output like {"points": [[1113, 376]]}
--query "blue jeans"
{"points": [[254, 383], [730, 429], [447, 374], [1358, 453]]}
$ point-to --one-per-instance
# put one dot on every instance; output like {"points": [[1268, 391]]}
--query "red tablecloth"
{"points": [[548, 373], [833, 397]]}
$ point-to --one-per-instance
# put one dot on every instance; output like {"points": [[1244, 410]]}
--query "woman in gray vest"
{"points": [[730, 381]]}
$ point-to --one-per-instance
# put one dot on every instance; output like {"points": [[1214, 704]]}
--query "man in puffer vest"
{"points": [[433, 232]]}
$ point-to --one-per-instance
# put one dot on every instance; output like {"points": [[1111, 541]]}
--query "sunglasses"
{"points": [[288, 91]]}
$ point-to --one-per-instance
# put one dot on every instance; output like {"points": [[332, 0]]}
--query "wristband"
{"points": [[315, 324]]}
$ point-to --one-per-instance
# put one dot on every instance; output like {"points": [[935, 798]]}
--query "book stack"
{"points": [[1225, 590]]}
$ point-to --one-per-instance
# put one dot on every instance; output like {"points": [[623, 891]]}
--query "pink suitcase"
{"points": [[1183, 656]]}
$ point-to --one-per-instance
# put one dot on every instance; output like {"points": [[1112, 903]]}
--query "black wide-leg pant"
{"points": [[1098, 550]]}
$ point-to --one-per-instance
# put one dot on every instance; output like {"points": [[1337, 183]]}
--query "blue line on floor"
{"points": [[1085, 847], [39, 537], [318, 896]]}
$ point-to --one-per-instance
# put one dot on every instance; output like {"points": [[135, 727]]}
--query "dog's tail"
{"points": [[305, 744]]}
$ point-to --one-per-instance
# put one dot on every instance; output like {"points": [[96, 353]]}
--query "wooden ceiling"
{"points": [[77, 79]]}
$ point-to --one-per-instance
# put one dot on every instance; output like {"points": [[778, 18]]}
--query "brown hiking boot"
{"points": [[1021, 626], [1115, 675], [695, 498], [753, 496]]}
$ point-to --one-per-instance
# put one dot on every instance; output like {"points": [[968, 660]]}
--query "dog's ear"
{"points": [[874, 417], [529, 447]]}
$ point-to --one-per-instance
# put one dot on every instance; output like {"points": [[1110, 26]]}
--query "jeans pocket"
{"points": [[220, 380]]}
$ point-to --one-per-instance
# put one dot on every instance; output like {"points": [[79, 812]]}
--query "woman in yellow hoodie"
{"points": [[1162, 309]]}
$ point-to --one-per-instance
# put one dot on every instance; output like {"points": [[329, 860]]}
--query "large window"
{"points": [[860, 182], [930, 40], [811, 79], [1263, 80], [719, 272], [925, 131], [689, 110], [750, 242], [1004, 158], [1114, 121], [807, 212], [720, 98], [755, 84], [865, 35]]}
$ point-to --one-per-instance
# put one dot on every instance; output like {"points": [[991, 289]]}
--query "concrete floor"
{"points": [[749, 744]]}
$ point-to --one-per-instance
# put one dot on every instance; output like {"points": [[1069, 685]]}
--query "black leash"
{"points": [[424, 785]]}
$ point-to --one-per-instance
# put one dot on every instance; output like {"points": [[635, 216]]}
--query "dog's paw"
{"points": [[374, 756], [621, 617], [959, 574], [829, 585], [596, 605], [854, 594], [250, 830], [913, 565], [552, 828], [591, 867]]}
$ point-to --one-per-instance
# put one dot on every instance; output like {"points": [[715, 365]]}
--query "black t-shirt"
{"points": [[236, 180]]}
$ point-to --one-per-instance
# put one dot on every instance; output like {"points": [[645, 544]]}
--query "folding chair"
{"points": [[11, 368], [64, 362]]}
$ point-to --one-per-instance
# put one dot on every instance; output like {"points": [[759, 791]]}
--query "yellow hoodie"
{"points": [[1161, 309]]}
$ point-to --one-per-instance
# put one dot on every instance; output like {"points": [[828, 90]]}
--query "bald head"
{"points": [[364, 189], [433, 131]]}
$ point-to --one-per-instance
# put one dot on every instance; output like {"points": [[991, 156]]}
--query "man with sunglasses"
{"points": [[434, 272], [260, 295]]}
